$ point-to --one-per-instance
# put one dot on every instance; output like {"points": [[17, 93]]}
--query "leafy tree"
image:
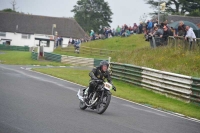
{"points": [[177, 6], [92, 14], [195, 13], [8, 10]]}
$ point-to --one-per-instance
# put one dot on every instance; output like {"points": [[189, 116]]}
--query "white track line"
{"points": [[173, 114]]}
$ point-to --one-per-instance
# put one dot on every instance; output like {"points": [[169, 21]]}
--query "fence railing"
{"points": [[176, 85], [90, 51], [178, 41]]}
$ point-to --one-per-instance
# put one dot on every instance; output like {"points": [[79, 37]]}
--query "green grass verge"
{"points": [[22, 58], [129, 92], [58, 51]]}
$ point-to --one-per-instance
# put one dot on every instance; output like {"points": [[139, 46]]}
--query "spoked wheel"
{"points": [[103, 105]]}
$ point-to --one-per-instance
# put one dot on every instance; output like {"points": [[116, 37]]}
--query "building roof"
{"points": [[173, 18], [35, 24]]}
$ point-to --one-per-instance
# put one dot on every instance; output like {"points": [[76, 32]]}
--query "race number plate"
{"points": [[108, 86]]}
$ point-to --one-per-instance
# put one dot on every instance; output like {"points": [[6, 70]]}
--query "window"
{"points": [[26, 36], [2, 33]]}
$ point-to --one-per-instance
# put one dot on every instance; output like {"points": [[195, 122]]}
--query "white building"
{"points": [[22, 30]]}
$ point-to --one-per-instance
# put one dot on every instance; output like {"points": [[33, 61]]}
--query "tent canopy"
{"points": [[176, 24]]}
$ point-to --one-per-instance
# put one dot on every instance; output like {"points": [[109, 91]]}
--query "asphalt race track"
{"points": [[35, 103]]}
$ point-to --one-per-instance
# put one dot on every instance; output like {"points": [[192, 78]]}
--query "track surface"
{"points": [[35, 103]]}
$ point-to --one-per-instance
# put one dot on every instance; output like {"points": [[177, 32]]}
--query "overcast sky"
{"points": [[125, 11]]}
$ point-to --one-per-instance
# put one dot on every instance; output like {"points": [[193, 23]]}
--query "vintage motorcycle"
{"points": [[99, 99]]}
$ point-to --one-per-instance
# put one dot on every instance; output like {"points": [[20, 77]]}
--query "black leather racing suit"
{"points": [[95, 74]]}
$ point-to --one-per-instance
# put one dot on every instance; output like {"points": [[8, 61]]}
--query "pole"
{"points": [[52, 29], [159, 11]]}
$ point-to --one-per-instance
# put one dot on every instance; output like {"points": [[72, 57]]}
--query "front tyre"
{"points": [[82, 105], [103, 105]]}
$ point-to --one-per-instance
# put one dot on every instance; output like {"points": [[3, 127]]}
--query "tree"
{"points": [[7, 10], [179, 7], [92, 14], [195, 13], [13, 3]]}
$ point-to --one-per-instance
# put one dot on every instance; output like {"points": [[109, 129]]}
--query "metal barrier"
{"points": [[179, 41], [52, 57], [14, 48], [176, 85], [34, 56], [90, 51]]}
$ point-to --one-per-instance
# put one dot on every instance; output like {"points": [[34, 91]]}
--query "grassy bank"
{"points": [[135, 50], [22, 58], [130, 92]]}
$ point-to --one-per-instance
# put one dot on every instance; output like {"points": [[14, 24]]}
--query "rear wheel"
{"points": [[103, 105]]}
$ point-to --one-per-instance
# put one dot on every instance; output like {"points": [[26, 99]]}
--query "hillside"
{"points": [[134, 50]]}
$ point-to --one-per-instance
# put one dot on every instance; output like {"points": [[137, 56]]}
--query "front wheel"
{"points": [[103, 105], [82, 105]]}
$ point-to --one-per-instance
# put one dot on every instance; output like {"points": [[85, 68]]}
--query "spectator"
{"points": [[92, 35], [114, 32], [130, 29], [181, 29], [190, 35], [118, 30], [167, 32], [173, 31], [73, 41], [122, 30], [141, 28], [61, 41], [135, 28], [150, 26], [147, 24], [70, 41]]}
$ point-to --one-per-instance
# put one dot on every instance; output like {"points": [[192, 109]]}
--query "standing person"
{"points": [[92, 35], [150, 26], [57, 41], [141, 28], [181, 29], [190, 35], [167, 32], [61, 41]]}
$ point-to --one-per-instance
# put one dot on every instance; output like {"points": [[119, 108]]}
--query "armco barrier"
{"points": [[52, 57], [14, 48], [77, 61], [34, 56], [176, 85], [195, 96]]}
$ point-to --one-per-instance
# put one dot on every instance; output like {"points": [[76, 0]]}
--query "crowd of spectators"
{"points": [[153, 32], [161, 32], [123, 31]]}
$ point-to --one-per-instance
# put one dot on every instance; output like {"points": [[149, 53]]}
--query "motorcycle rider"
{"points": [[99, 73]]}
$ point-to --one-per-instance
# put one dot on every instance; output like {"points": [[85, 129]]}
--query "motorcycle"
{"points": [[99, 99]]}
